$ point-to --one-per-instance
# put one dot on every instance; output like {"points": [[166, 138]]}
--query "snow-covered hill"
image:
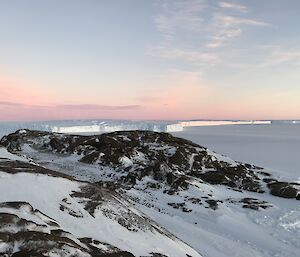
{"points": [[181, 190], [48, 213]]}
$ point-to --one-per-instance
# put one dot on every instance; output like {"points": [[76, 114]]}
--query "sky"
{"points": [[149, 59]]}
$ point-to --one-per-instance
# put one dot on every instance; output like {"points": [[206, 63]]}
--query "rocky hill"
{"points": [[160, 188], [135, 155]]}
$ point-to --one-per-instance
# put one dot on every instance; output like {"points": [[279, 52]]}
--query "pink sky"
{"points": [[184, 101], [184, 96]]}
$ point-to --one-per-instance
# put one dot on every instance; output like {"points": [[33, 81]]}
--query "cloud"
{"points": [[233, 6], [224, 35], [14, 111], [181, 24], [18, 104], [173, 53], [179, 15], [228, 27], [193, 30], [5, 103], [98, 107], [277, 56], [229, 21], [74, 106], [23, 101], [68, 107]]}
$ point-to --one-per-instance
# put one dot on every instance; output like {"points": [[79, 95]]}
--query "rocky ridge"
{"points": [[135, 155]]}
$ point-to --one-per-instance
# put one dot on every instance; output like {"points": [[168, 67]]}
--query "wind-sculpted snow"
{"points": [[48, 214], [218, 206]]}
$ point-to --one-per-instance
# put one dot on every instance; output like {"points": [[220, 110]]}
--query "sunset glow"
{"points": [[195, 59]]}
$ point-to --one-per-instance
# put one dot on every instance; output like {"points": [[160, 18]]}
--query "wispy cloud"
{"points": [[22, 111], [222, 36], [233, 6], [179, 16], [82, 107], [5, 103], [177, 22], [192, 31], [276, 55], [184, 54], [228, 27], [98, 107], [228, 21], [23, 105]]}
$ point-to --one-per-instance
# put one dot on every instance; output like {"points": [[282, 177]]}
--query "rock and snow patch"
{"points": [[126, 162], [59, 213], [218, 206]]}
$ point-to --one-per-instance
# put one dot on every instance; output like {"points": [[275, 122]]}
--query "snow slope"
{"points": [[7, 155], [47, 204], [217, 215], [231, 229]]}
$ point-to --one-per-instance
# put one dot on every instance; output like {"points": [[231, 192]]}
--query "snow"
{"points": [[205, 123], [77, 129], [220, 157], [22, 131], [230, 230], [275, 147], [45, 194], [7, 155], [126, 161], [174, 128]]}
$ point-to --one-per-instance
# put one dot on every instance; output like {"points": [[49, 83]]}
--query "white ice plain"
{"points": [[275, 146]]}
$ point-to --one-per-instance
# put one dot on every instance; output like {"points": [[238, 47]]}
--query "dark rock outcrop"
{"points": [[134, 155], [170, 160], [284, 189]]}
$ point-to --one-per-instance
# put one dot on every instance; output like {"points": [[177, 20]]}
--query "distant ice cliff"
{"points": [[158, 126], [104, 126]]}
